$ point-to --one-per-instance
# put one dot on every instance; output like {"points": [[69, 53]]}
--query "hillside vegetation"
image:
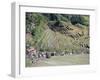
{"points": [[58, 32]]}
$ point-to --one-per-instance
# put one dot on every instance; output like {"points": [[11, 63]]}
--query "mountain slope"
{"points": [[55, 32]]}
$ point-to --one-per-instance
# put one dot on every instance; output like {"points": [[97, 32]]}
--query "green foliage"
{"points": [[84, 20], [65, 37]]}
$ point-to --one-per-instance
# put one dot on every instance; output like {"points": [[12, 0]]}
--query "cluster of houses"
{"points": [[35, 55]]}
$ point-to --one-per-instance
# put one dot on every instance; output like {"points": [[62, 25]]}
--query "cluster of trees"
{"points": [[74, 19], [84, 20], [36, 19]]}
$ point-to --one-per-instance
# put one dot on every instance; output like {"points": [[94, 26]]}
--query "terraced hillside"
{"points": [[57, 33]]}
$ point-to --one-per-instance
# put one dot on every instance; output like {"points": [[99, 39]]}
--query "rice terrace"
{"points": [[56, 39]]}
